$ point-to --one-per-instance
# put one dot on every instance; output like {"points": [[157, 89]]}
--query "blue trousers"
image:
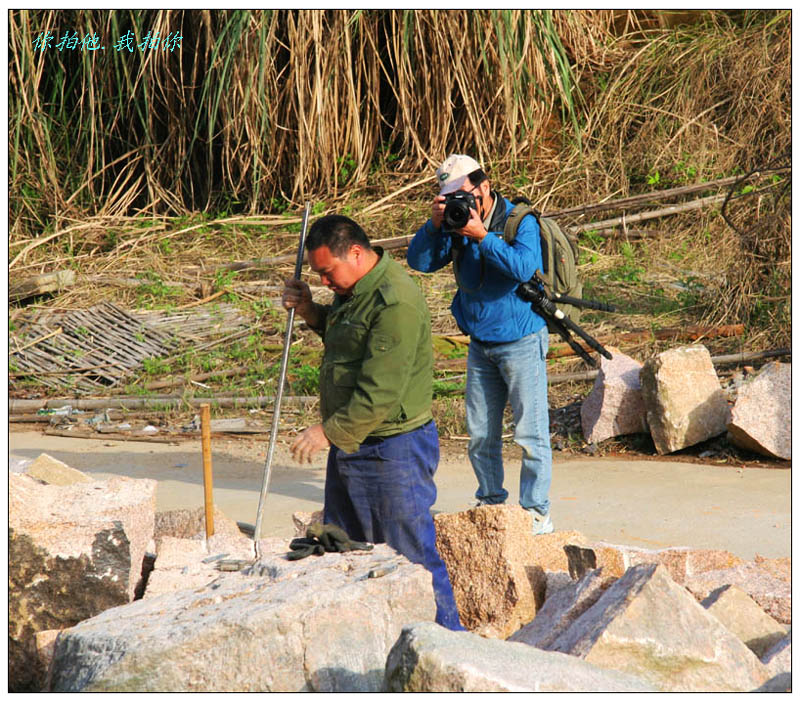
{"points": [[515, 373], [383, 493]]}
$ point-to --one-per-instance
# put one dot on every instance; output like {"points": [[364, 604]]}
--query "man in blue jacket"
{"points": [[508, 340]]}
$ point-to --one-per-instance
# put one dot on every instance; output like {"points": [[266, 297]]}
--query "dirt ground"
{"points": [[618, 499]]}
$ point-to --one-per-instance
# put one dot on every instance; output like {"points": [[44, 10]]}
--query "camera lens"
{"points": [[456, 214]]}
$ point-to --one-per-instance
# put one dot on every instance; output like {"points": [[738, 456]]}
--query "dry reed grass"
{"points": [[348, 106]]}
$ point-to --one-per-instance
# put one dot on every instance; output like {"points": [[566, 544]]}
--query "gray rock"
{"points": [[74, 551], [780, 683], [563, 608], [317, 624], [555, 580], [615, 405], [684, 400], [430, 658], [778, 658], [761, 419], [650, 627], [739, 613]]}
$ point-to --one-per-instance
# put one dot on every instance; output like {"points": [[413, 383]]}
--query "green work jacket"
{"points": [[376, 377]]}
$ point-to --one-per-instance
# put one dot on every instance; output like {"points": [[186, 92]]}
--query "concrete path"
{"points": [[651, 504]]}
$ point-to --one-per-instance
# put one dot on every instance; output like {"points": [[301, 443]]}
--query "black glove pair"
{"points": [[320, 538]]}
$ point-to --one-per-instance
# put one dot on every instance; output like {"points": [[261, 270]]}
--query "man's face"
{"points": [[482, 195], [338, 274]]}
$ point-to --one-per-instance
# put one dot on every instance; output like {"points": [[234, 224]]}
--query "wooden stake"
{"points": [[205, 423]]}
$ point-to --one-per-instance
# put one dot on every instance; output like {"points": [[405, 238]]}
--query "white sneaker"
{"points": [[542, 524], [477, 503]]}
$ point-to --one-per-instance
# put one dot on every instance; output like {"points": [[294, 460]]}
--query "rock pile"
{"points": [[547, 613], [677, 397]]}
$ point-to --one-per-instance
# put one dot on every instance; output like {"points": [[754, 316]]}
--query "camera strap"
{"points": [[498, 218]]}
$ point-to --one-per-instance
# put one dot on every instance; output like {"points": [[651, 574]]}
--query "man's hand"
{"points": [[474, 228], [296, 293], [310, 441], [437, 211]]}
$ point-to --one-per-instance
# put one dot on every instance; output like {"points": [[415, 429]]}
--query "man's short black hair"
{"points": [[477, 177], [338, 233]]}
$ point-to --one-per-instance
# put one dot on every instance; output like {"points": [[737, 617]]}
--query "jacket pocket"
{"points": [[345, 341], [343, 376]]}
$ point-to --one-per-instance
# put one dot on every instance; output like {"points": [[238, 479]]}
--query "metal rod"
{"points": [[205, 425], [279, 390]]}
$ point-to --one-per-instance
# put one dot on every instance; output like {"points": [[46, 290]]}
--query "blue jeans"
{"points": [[516, 373], [383, 493]]}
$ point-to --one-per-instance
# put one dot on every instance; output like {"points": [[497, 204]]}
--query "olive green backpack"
{"points": [[559, 256]]}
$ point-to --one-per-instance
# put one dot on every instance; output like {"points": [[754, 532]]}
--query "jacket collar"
{"points": [[371, 280]]}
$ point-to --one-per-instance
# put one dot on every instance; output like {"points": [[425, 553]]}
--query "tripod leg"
{"points": [[561, 328], [593, 343]]}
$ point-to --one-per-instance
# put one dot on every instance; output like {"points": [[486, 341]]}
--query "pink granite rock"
{"points": [[761, 420], [74, 551], [648, 626], [615, 559], [684, 401], [614, 406], [497, 567], [772, 594], [739, 613]]}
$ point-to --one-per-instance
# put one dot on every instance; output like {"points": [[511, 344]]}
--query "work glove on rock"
{"points": [[320, 538]]}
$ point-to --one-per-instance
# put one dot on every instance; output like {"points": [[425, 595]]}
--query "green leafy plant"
{"points": [[305, 380]]}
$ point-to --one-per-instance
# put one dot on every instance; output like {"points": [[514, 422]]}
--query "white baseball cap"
{"points": [[452, 174]]}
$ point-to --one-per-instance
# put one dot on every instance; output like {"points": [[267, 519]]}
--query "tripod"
{"points": [[534, 292]]}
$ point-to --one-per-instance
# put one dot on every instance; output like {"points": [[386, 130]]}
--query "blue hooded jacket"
{"points": [[486, 306]]}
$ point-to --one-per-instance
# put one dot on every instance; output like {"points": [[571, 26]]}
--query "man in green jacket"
{"points": [[375, 398]]}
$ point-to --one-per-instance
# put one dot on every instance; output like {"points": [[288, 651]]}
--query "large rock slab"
{"points": [[761, 419], [647, 625], [74, 551], [771, 593], [739, 613], [683, 397], [615, 405], [562, 608], [497, 567], [322, 623], [430, 658]]}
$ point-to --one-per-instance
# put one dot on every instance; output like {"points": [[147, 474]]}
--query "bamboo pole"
{"points": [[205, 425], [17, 406]]}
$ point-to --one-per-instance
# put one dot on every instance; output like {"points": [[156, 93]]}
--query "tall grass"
{"points": [[261, 107]]}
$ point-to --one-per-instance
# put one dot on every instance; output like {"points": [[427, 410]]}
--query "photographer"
{"points": [[508, 340]]}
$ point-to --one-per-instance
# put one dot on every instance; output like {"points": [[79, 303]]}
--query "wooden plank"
{"points": [[112, 437], [41, 284]]}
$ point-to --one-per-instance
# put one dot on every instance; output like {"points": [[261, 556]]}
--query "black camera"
{"points": [[456, 209]]}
